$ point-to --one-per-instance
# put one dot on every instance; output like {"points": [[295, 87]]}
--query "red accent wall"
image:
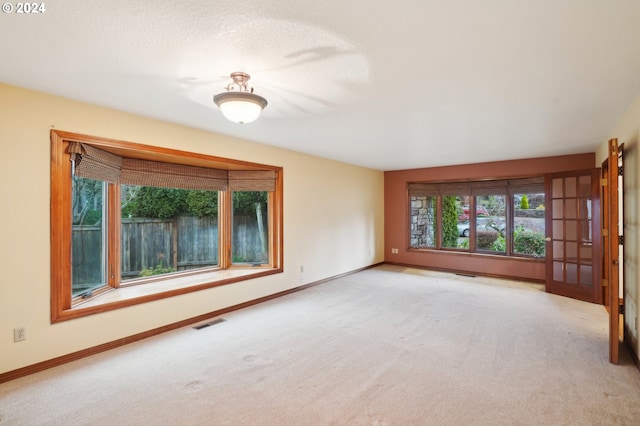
{"points": [[396, 214]]}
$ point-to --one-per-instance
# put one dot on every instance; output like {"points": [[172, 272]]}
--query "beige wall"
{"points": [[333, 223], [628, 133]]}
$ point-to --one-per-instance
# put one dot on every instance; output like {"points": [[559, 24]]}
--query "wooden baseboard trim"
{"points": [[74, 356], [467, 273]]}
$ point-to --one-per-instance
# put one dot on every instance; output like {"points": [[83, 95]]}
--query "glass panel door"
{"points": [[572, 268]]}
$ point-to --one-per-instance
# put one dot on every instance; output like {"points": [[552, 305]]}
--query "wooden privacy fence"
{"points": [[181, 243]]}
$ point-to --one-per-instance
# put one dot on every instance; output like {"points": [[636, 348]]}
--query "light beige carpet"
{"points": [[386, 346]]}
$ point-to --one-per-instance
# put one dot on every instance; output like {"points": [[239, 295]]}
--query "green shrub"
{"points": [[159, 269], [93, 217], [524, 202], [485, 239], [528, 242], [449, 221]]}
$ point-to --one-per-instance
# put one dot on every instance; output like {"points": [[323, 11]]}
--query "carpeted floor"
{"points": [[386, 346]]}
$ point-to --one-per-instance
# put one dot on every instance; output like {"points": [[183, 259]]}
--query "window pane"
{"points": [[586, 254], [88, 240], [558, 250], [529, 224], [584, 186], [571, 251], [165, 230], [572, 273], [571, 230], [455, 222], [250, 227], [558, 229], [558, 271], [423, 222], [586, 275], [557, 209], [556, 188], [570, 187], [491, 222], [570, 208]]}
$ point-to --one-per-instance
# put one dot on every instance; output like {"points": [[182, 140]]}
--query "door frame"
{"points": [[611, 245]]}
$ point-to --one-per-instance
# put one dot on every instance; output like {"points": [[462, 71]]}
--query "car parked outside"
{"points": [[463, 228], [480, 211], [482, 223]]}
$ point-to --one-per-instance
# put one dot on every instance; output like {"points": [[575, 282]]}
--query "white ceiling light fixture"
{"points": [[239, 104]]}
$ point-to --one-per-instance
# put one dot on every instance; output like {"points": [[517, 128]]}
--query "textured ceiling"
{"points": [[387, 85]]}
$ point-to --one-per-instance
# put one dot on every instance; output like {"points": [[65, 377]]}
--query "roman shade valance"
{"points": [[423, 189], [168, 175], [529, 185], [506, 186], [449, 188], [454, 188], [94, 163], [252, 180], [489, 187]]}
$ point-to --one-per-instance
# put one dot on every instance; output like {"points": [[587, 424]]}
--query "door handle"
{"points": [[548, 239]]}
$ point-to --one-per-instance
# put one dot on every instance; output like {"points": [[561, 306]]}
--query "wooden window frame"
{"points": [[502, 187], [64, 308]]}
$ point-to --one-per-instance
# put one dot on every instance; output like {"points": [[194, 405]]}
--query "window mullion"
{"points": [[439, 222], [225, 214], [473, 222], [508, 230], [273, 248], [114, 231]]}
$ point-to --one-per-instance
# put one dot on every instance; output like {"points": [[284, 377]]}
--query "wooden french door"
{"points": [[573, 235]]}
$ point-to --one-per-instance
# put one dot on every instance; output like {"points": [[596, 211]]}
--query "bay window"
{"points": [[166, 221]]}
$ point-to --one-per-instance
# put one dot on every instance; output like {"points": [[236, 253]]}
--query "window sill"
{"points": [[125, 296]]}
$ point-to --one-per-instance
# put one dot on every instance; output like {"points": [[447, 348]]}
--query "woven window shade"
{"points": [[93, 163], [422, 189], [490, 187], [511, 186], [454, 188], [252, 180], [169, 175], [447, 188], [530, 185]]}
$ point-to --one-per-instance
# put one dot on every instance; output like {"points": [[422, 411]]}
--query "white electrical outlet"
{"points": [[19, 334]]}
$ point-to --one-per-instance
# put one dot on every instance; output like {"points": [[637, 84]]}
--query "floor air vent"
{"points": [[210, 323]]}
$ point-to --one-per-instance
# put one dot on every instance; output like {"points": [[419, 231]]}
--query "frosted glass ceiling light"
{"points": [[239, 104]]}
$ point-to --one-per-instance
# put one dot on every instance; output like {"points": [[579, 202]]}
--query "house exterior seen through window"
{"points": [[503, 217]]}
